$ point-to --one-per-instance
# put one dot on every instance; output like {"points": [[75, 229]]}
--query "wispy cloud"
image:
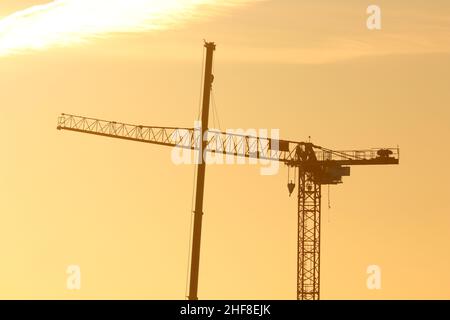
{"points": [[340, 49], [320, 34], [69, 22]]}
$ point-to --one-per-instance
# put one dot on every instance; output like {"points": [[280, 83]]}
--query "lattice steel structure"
{"points": [[316, 166], [308, 266], [227, 143]]}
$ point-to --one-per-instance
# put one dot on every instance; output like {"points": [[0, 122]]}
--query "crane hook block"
{"points": [[291, 187]]}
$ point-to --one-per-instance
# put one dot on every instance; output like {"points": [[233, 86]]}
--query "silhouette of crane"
{"points": [[315, 165]]}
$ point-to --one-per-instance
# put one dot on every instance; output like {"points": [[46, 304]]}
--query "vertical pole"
{"points": [[201, 167]]}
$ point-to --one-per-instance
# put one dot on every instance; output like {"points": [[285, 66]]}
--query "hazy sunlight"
{"points": [[67, 22]]}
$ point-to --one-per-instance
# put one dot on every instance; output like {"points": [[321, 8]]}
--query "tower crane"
{"points": [[315, 165]]}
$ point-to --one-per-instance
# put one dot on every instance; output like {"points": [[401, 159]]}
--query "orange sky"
{"points": [[120, 210]]}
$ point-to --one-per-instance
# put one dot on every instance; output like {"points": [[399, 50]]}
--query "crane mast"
{"points": [[308, 247], [316, 166]]}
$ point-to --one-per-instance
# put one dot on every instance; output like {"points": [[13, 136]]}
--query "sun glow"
{"points": [[69, 22]]}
